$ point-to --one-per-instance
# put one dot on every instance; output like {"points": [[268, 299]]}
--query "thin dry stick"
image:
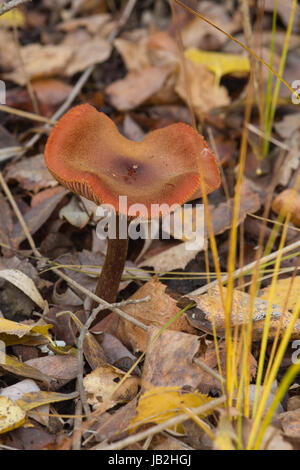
{"points": [[247, 268], [76, 442], [160, 427], [25, 114], [10, 5]]}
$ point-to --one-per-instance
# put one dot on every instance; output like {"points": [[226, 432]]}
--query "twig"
{"points": [[80, 340], [19, 215], [76, 441], [10, 5], [248, 267], [25, 114], [208, 369], [123, 19], [160, 427]]}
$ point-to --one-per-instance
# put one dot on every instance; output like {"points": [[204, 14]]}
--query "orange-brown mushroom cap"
{"points": [[86, 153]]}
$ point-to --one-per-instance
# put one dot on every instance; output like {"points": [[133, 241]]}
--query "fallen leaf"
{"points": [[219, 63], [221, 215], [290, 423], [159, 404], [37, 216], [136, 88], [169, 360], [158, 311], [205, 93], [100, 387], [64, 368], [24, 283], [217, 362], [209, 308], [8, 327], [12, 18], [86, 51], [288, 202], [93, 352], [116, 353], [113, 427], [6, 222], [33, 400], [12, 365], [31, 173], [39, 61], [94, 24], [74, 214], [134, 54], [16, 391], [283, 295], [11, 415], [176, 257]]}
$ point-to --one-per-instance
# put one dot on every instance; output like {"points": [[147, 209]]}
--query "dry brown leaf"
{"points": [[176, 257], [93, 352], [87, 51], [134, 54], [288, 202], [40, 61], [169, 360], [221, 215], [205, 94], [198, 33], [113, 425], [158, 311], [94, 24], [31, 173], [100, 387], [136, 88], [6, 222], [209, 357], [209, 308], [63, 367], [38, 215], [290, 423]]}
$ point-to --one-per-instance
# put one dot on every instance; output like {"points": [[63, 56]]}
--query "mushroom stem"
{"points": [[110, 277]]}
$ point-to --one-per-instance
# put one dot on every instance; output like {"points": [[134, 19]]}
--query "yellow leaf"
{"points": [[13, 328], [15, 333], [13, 365], [219, 62], [34, 399], [160, 404], [12, 18], [282, 292], [11, 415]]}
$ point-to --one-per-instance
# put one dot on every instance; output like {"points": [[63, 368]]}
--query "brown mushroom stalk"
{"points": [[86, 153], [112, 270]]}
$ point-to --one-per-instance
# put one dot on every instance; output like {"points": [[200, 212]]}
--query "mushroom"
{"points": [[86, 153]]}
